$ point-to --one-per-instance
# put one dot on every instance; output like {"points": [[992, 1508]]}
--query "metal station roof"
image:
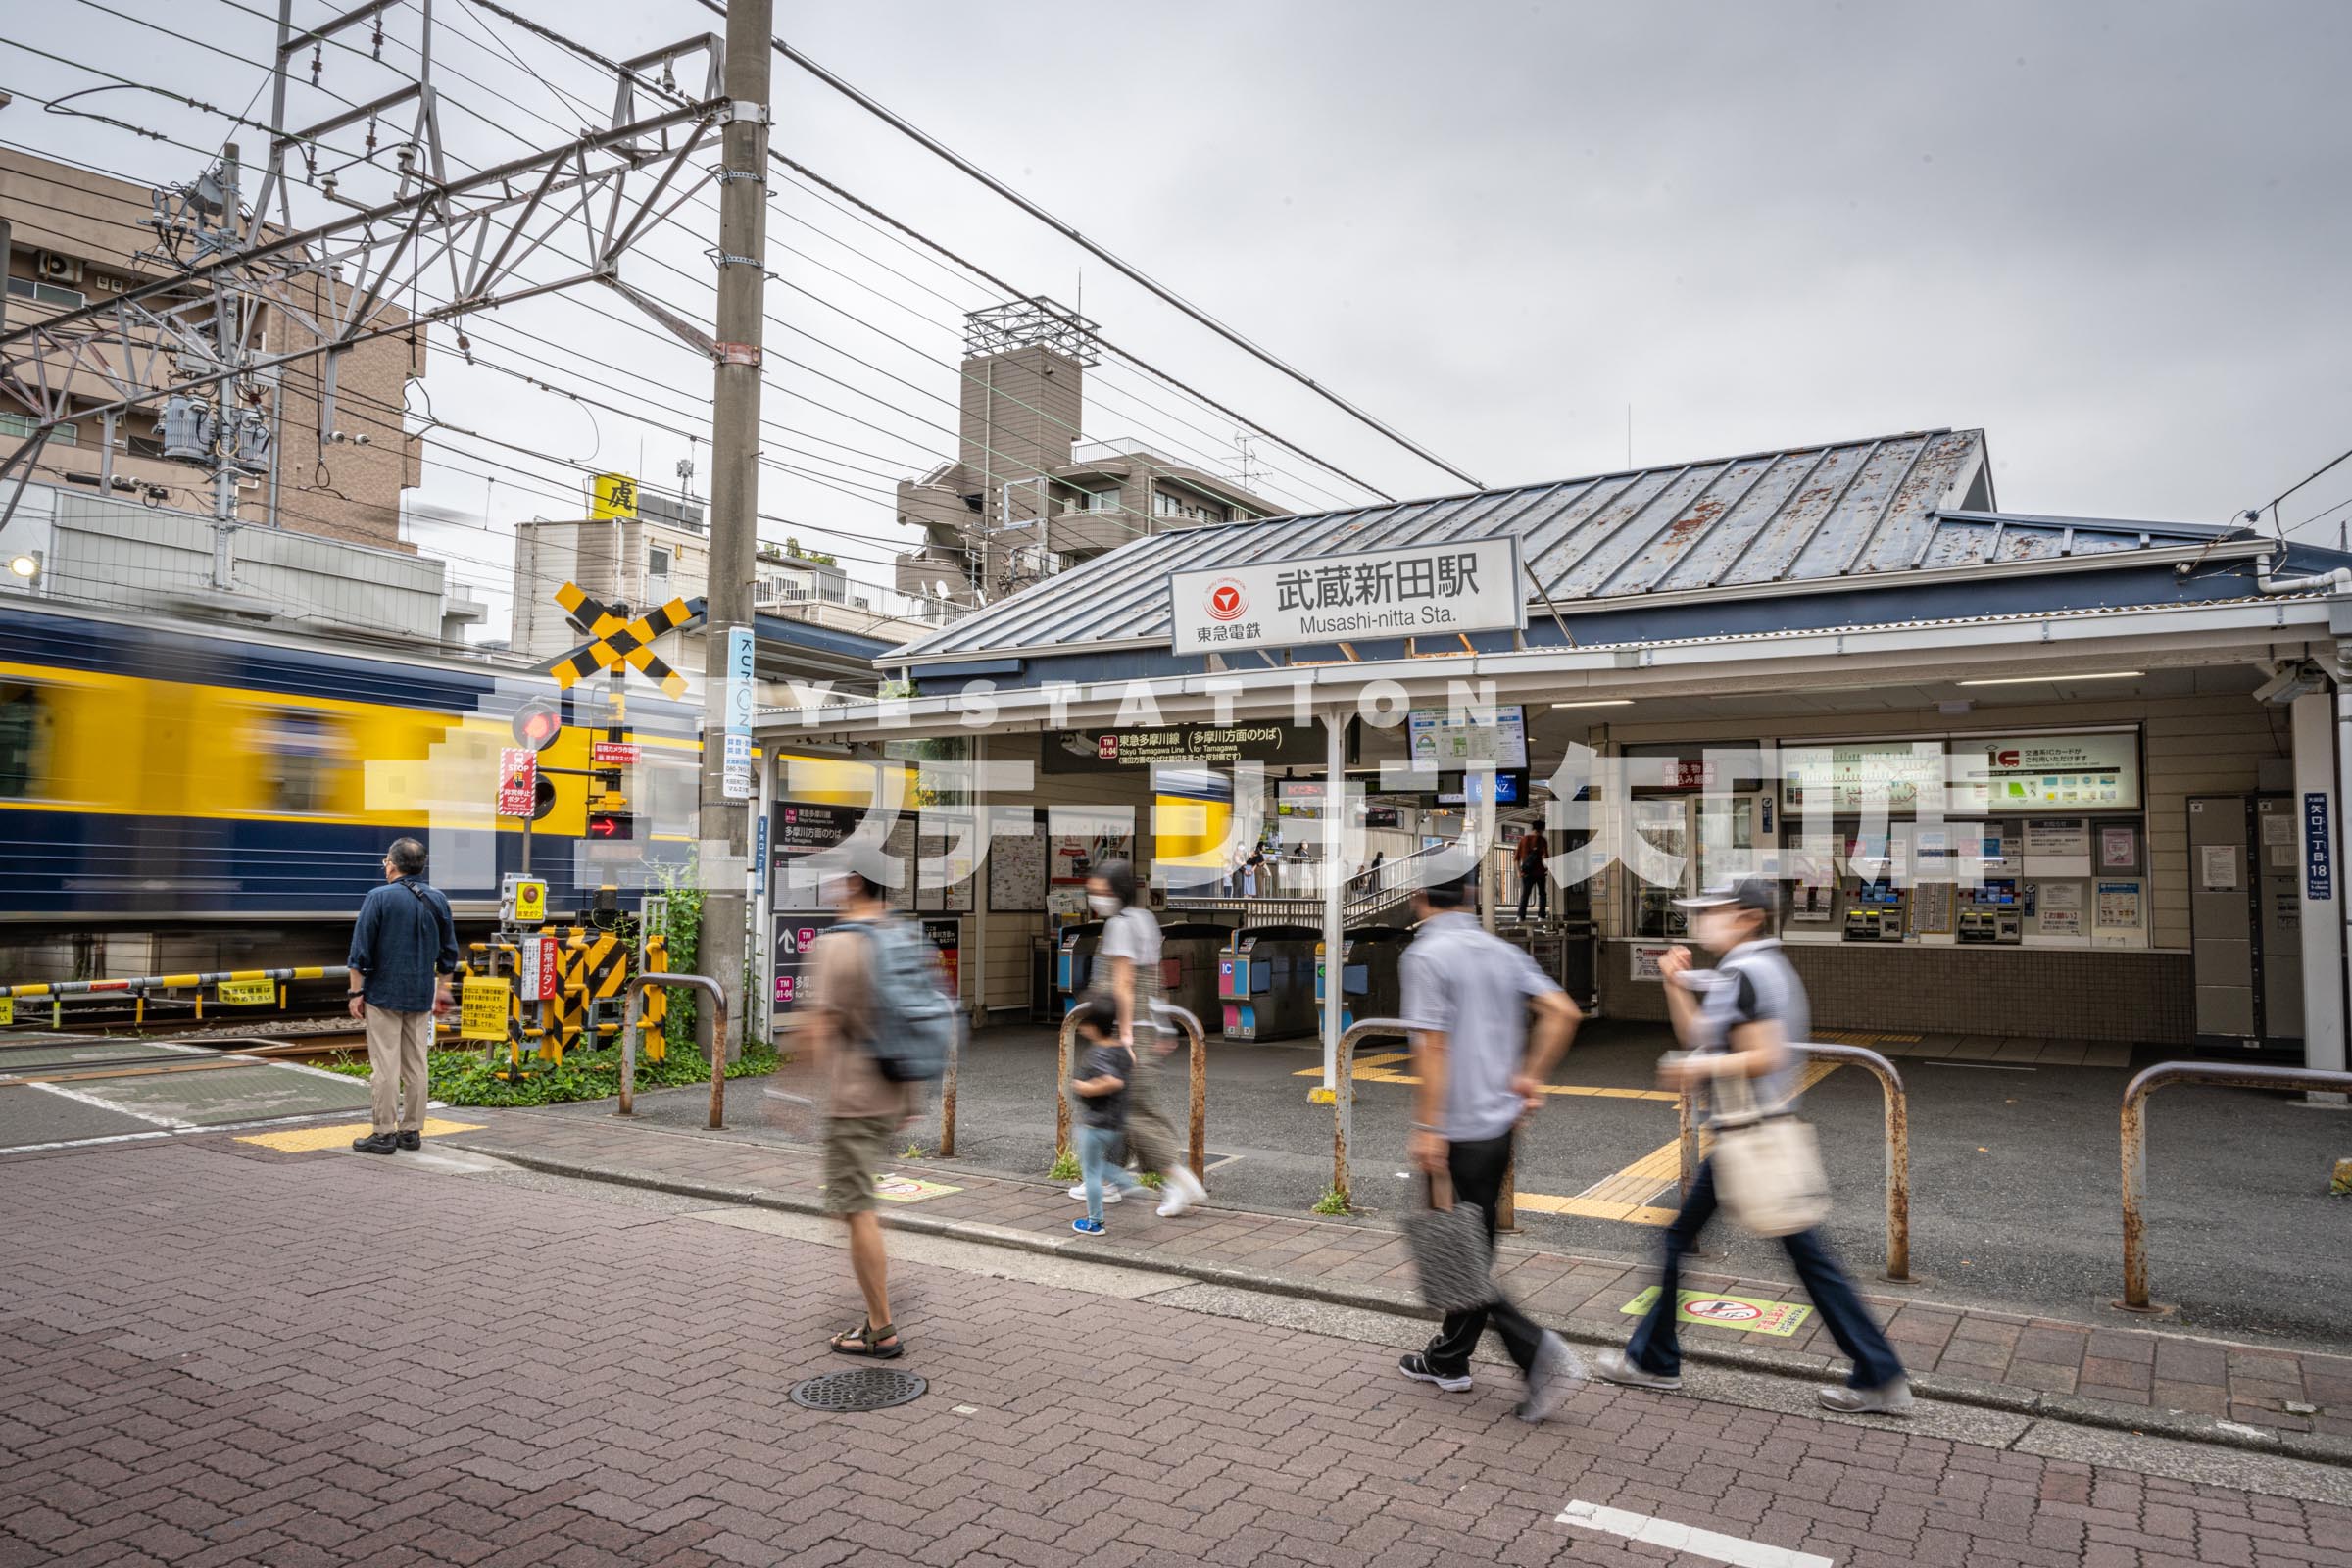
{"points": [[1850, 513]]}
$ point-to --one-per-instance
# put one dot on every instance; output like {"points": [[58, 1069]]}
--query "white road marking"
{"points": [[1689, 1538], [79, 1096]]}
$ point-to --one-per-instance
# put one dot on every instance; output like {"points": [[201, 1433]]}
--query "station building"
{"points": [[2135, 727]]}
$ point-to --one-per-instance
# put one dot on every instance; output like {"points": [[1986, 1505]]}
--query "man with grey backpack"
{"points": [[1739, 1025], [879, 1024]]}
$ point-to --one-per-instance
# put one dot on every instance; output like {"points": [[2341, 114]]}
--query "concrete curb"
{"points": [[2069, 1408]]}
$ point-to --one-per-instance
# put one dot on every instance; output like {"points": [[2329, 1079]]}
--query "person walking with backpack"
{"points": [[879, 1024], [404, 948], [1127, 987], [1467, 996], [1739, 1027]]}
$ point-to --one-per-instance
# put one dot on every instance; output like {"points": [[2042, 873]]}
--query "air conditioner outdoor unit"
{"points": [[57, 268]]}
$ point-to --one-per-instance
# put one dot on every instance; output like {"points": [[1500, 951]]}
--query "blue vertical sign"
{"points": [[759, 860], [737, 778], [2319, 853]]}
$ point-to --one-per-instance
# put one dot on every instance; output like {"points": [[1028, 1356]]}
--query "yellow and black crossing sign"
{"points": [[612, 640]]}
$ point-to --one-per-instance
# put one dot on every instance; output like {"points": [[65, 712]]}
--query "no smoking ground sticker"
{"points": [[1744, 1312]]}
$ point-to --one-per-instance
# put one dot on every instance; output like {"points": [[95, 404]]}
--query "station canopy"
{"points": [[1898, 529]]}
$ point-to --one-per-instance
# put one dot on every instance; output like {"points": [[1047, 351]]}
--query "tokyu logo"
{"points": [[1226, 600]]}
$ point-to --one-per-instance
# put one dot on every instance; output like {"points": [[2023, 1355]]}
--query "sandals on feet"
{"points": [[867, 1341]]}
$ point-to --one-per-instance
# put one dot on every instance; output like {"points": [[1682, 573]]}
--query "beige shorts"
{"points": [[855, 1146]]}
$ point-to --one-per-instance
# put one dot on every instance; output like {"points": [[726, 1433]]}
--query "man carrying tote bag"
{"points": [[1738, 1025]]}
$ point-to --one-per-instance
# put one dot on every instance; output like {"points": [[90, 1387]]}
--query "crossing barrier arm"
{"points": [[708, 989], [2135, 1130], [1898, 1148]]}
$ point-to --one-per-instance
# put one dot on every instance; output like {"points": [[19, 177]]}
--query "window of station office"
{"points": [[2041, 840]]}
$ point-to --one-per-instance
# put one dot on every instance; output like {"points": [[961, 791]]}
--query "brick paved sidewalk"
{"points": [[2137, 1379]]}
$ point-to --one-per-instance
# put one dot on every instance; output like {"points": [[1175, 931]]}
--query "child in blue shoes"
{"points": [[1101, 1088]]}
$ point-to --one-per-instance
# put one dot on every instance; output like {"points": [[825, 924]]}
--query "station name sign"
{"points": [[1461, 585]]}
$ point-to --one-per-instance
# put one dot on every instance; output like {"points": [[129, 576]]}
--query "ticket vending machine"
{"points": [[1992, 912], [1074, 963], [1266, 982], [1371, 978], [1873, 910]]}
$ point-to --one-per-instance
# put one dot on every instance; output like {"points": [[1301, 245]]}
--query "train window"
{"points": [[671, 787], [26, 722], [301, 757]]}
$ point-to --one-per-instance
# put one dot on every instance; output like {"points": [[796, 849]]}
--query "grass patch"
{"points": [[460, 1078], [1333, 1201], [1065, 1168]]}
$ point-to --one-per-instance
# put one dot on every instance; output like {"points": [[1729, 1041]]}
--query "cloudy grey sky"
{"points": [[2112, 235]]}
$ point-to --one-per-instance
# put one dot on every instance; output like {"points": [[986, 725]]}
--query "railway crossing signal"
{"points": [[613, 639], [537, 723]]}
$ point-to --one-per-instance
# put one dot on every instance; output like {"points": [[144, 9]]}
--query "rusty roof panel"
{"points": [[1853, 522], [1959, 544], [1589, 574], [1689, 530], [1933, 481], [1554, 547], [1774, 544], [1717, 551]]}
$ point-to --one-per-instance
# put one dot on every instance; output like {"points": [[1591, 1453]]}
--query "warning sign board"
{"points": [[482, 1010], [617, 753], [248, 993], [8, 1009], [537, 957], [518, 780], [1744, 1312], [897, 1189], [530, 903]]}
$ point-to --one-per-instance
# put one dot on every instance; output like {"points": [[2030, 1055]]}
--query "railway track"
{"points": [[229, 1051]]}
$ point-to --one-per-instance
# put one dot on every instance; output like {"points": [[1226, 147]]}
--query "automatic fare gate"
{"points": [[1266, 982]]}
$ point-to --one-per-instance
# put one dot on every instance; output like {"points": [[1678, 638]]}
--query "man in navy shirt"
{"points": [[403, 951]]}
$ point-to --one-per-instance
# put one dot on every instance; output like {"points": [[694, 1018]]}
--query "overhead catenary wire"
{"points": [[1125, 268]]}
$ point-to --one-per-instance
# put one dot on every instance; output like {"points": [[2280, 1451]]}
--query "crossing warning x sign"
{"points": [[612, 640]]}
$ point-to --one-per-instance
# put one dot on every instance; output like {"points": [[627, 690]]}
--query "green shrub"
{"points": [[459, 1077]]}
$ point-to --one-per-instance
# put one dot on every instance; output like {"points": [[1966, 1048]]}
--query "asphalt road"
{"points": [[2015, 1200]]}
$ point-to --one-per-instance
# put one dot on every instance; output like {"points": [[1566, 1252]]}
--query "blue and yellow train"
{"points": [[159, 771]]}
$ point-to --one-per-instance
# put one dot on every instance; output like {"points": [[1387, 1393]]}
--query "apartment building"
{"points": [[1026, 496], [77, 237]]}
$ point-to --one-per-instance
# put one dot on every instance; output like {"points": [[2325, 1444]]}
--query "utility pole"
{"points": [[724, 830]]}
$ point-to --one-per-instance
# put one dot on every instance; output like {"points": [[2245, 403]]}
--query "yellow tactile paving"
{"points": [[309, 1139]]}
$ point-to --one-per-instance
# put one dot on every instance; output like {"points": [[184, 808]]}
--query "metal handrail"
{"points": [[1898, 1149], [2136, 1144], [634, 995], [1197, 1050]]}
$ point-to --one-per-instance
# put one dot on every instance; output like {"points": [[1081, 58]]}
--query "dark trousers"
{"points": [[1478, 1170], [1539, 882], [1653, 1347]]}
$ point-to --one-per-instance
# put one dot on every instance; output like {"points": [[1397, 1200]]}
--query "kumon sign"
{"points": [[1461, 585]]}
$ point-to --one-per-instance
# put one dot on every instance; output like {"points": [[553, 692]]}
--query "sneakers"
{"points": [[1184, 1189], [1556, 1372], [1617, 1367], [1110, 1194], [376, 1143], [1087, 1227], [1416, 1367], [410, 1143], [1891, 1398]]}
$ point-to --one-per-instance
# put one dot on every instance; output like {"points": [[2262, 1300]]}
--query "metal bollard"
{"points": [[2136, 1145], [708, 989], [947, 1096], [1196, 1049], [1343, 1097], [1898, 1149]]}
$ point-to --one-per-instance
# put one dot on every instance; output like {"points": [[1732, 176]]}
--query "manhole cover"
{"points": [[868, 1387]]}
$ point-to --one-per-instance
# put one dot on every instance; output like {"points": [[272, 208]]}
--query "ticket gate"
{"points": [[1074, 962], [1266, 982], [1371, 982], [1188, 965]]}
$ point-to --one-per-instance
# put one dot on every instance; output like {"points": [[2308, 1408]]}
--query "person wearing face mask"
{"points": [[1126, 983]]}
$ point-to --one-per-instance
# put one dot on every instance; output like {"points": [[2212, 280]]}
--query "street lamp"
{"points": [[26, 565]]}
